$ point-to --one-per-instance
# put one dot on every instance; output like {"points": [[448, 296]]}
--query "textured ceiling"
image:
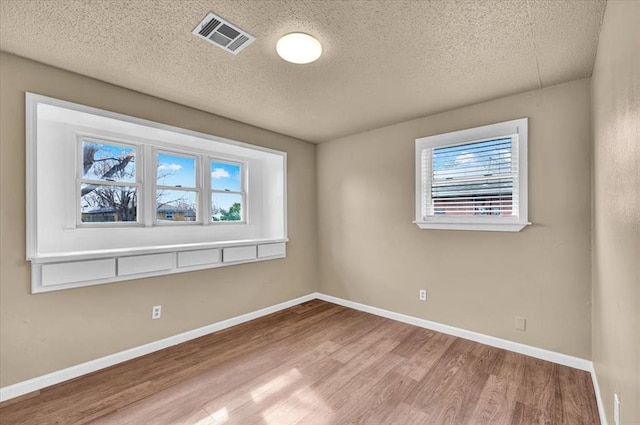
{"points": [[383, 61]]}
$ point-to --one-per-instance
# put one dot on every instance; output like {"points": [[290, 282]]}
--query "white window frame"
{"points": [[197, 189], [517, 129], [66, 254], [242, 192], [138, 183]]}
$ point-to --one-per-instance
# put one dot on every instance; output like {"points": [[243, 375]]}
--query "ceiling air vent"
{"points": [[223, 34]]}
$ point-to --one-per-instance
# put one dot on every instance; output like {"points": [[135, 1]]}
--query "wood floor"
{"points": [[319, 363]]}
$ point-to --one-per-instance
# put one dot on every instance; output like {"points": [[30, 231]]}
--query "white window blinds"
{"points": [[472, 179]]}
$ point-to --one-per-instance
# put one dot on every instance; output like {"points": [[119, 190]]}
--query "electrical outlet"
{"points": [[423, 295], [616, 409], [156, 311], [521, 324]]}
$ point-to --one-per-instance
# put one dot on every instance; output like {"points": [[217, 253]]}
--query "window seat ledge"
{"points": [[54, 273], [486, 227]]}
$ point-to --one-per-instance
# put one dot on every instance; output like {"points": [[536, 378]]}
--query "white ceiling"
{"points": [[383, 61]]}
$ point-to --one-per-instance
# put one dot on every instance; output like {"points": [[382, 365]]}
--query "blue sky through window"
{"points": [[225, 176], [176, 171], [486, 158]]}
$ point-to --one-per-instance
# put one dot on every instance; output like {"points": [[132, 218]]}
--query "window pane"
{"points": [[176, 205], [475, 179], [176, 171], [225, 176], [476, 188], [106, 203], [110, 162], [226, 207], [481, 159], [474, 206]]}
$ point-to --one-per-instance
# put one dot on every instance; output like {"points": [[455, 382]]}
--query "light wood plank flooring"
{"points": [[319, 363]]}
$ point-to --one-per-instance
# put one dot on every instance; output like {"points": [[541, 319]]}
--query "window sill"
{"points": [[106, 253], [485, 227], [79, 269]]}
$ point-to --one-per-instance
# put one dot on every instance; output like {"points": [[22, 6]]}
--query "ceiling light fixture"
{"points": [[298, 47]]}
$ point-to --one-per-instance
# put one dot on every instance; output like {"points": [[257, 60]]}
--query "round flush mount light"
{"points": [[298, 47]]}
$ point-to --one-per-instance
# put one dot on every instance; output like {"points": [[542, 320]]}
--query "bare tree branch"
{"points": [[121, 165]]}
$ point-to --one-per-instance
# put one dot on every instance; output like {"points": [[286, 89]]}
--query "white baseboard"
{"points": [[528, 350], [596, 389], [59, 376]]}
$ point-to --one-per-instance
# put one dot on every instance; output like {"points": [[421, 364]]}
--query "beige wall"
{"points": [[46, 332], [370, 251], [616, 210]]}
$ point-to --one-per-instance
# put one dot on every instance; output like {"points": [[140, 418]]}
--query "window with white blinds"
{"points": [[473, 179]]}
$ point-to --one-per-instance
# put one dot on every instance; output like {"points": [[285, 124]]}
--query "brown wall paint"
{"points": [[370, 251], [51, 331], [616, 210]]}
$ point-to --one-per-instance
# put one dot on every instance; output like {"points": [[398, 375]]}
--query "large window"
{"points": [[227, 192], [112, 197], [108, 185], [177, 193], [473, 179], [112, 193]]}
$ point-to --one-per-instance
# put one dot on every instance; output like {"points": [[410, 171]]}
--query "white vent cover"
{"points": [[223, 34]]}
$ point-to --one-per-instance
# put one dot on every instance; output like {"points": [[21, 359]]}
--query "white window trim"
{"points": [[138, 183], [517, 127], [242, 192], [198, 189], [52, 271]]}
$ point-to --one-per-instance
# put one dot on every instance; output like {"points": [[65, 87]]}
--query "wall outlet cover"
{"points": [[423, 295], [156, 312], [521, 324]]}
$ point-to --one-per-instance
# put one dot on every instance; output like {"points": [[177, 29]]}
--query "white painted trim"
{"points": [[516, 129], [119, 252], [596, 389], [59, 376], [33, 99], [485, 227], [34, 384], [31, 165], [39, 286], [528, 350], [76, 241]]}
